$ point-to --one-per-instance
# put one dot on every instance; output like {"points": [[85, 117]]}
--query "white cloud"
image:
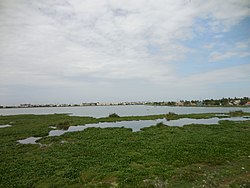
{"points": [[226, 51], [62, 42], [217, 56], [243, 44], [223, 14], [231, 75], [209, 46]]}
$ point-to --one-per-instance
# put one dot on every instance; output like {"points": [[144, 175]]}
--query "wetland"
{"points": [[160, 154]]}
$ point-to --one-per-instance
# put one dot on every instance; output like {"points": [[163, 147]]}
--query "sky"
{"points": [[73, 51]]}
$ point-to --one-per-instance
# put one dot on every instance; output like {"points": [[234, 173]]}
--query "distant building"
{"points": [[199, 103], [248, 103], [25, 105], [236, 102]]}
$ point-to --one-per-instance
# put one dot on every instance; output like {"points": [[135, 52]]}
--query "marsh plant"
{"points": [[114, 115], [63, 125], [236, 113], [158, 156]]}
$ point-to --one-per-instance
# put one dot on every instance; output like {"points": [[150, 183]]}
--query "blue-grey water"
{"points": [[30, 140], [3, 126], [138, 125], [134, 125], [129, 110]]}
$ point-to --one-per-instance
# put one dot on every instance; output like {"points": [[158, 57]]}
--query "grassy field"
{"points": [[159, 156]]}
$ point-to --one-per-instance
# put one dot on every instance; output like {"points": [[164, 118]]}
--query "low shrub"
{"points": [[236, 113], [114, 115], [63, 125]]}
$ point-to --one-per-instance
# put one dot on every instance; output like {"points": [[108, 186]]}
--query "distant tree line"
{"points": [[207, 102]]}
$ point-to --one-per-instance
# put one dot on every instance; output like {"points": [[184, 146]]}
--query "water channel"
{"points": [[134, 125]]}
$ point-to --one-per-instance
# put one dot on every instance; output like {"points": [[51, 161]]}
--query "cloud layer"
{"points": [[84, 44]]}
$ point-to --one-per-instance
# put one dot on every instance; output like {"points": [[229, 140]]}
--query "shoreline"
{"points": [[34, 107]]}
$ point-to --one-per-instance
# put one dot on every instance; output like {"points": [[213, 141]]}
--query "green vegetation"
{"points": [[224, 102], [63, 125], [236, 113], [114, 115], [158, 156]]}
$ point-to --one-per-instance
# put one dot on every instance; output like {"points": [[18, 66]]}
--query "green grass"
{"points": [[159, 156], [236, 113]]}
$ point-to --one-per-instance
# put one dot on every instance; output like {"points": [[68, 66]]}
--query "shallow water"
{"points": [[3, 126], [138, 125], [134, 125], [30, 140], [129, 110]]}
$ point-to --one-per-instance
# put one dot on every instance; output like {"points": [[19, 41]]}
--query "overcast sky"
{"points": [[73, 51]]}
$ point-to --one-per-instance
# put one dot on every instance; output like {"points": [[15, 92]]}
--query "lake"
{"points": [[129, 110]]}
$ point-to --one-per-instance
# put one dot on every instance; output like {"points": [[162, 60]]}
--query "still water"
{"points": [[129, 110], [3, 126], [134, 125], [30, 140], [138, 125]]}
